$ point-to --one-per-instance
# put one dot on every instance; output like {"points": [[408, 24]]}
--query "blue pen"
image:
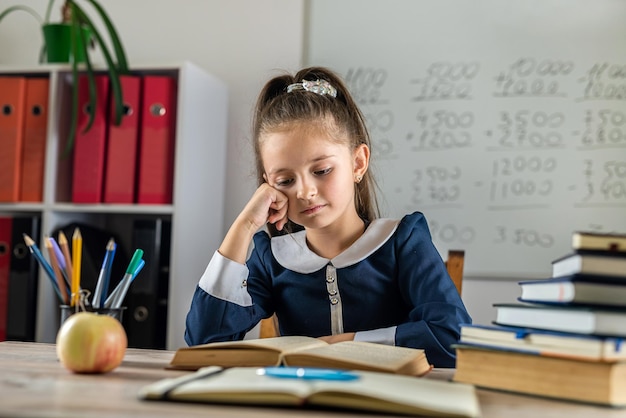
{"points": [[102, 286], [307, 373]]}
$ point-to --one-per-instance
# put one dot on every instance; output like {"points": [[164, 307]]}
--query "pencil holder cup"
{"points": [[67, 311]]}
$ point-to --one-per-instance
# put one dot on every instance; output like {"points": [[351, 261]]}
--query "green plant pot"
{"points": [[58, 39]]}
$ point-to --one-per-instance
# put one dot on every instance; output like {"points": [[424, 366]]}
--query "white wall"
{"points": [[243, 42]]}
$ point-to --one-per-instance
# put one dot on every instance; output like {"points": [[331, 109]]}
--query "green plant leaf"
{"points": [[122, 62], [114, 75], [33, 13], [48, 11], [26, 9], [91, 80], [74, 115]]}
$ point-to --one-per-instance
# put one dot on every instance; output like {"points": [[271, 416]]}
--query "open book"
{"points": [[369, 391], [304, 352]]}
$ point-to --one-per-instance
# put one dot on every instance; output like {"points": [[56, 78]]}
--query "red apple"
{"points": [[91, 343]]}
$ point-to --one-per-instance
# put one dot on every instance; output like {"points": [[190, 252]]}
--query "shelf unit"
{"points": [[197, 209]]}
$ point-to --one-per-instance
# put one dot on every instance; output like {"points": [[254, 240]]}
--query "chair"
{"points": [[454, 265]]}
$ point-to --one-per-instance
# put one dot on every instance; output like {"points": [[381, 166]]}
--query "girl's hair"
{"points": [[277, 110]]}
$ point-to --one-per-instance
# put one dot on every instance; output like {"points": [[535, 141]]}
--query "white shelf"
{"points": [[197, 209]]}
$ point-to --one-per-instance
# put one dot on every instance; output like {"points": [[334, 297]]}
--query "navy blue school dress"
{"points": [[391, 287]]}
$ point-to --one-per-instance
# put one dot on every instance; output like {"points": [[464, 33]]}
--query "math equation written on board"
{"points": [[533, 135]]}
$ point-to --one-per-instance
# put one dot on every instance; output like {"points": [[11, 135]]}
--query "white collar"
{"points": [[292, 252]]}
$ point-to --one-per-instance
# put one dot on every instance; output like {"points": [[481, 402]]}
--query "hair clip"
{"points": [[321, 87]]}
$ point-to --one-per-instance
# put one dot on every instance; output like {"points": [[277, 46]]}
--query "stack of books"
{"points": [[565, 337]]}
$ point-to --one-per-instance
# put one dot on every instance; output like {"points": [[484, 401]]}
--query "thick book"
{"points": [[579, 319], [597, 382], [575, 289], [603, 264], [546, 343], [304, 352], [368, 391], [598, 241]]}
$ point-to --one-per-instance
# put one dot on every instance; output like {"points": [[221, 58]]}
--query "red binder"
{"points": [[12, 92], [89, 147], [6, 224], [35, 124], [156, 145], [121, 160]]}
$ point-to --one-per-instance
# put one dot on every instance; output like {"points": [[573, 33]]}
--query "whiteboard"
{"points": [[503, 121]]}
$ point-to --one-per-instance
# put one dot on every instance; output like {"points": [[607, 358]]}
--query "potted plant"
{"points": [[78, 33]]}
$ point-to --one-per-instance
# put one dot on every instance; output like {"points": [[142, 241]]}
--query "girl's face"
{"points": [[316, 173]]}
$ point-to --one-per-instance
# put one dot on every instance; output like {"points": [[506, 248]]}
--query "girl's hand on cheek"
{"points": [[267, 205]]}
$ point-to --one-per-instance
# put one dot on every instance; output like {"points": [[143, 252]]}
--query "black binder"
{"points": [[6, 226], [145, 319], [23, 280]]}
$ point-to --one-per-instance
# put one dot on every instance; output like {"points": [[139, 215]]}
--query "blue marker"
{"points": [[307, 373], [116, 297]]}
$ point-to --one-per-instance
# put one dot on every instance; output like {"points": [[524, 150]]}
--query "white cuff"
{"points": [[381, 336], [227, 280]]}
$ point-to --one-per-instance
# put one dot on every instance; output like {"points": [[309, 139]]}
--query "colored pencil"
{"points": [[30, 243], [60, 280], [61, 260], [63, 243], [77, 253]]}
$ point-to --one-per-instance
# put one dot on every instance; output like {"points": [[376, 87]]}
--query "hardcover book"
{"points": [[597, 241], [304, 352], [546, 343], [576, 289], [564, 318], [604, 264], [597, 382]]}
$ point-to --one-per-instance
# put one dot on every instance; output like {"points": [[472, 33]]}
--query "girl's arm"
{"points": [[221, 308], [437, 310]]}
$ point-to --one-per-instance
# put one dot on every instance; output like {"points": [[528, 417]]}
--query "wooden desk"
{"points": [[34, 384]]}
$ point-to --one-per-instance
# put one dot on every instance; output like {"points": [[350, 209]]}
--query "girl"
{"points": [[329, 266]]}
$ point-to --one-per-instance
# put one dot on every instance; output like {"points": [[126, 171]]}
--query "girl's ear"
{"points": [[361, 161]]}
